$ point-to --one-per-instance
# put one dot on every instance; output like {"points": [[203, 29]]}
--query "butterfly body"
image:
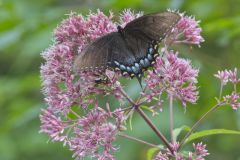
{"points": [[131, 49]]}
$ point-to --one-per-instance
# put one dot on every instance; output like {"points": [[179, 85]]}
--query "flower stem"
{"points": [[154, 128], [126, 96], [147, 120], [171, 116], [125, 109], [199, 121], [235, 88], [73, 112], [221, 89], [137, 140]]}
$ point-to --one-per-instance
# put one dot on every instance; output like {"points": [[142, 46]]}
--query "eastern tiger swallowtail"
{"points": [[131, 49]]}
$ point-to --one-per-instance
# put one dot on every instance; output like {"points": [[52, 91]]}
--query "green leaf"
{"points": [[146, 108], [155, 98], [210, 132], [177, 131], [130, 115]]}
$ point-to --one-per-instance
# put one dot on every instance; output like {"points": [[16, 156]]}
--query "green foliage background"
{"points": [[26, 29]]}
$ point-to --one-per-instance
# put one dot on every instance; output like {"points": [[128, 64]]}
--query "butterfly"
{"points": [[131, 49]]}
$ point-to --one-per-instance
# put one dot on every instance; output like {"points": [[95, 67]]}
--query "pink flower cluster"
{"points": [[74, 115], [231, 76], [175, 76], [52, 125], [228, 76], [94, 131], [222, 76], [199, 153], [188, 31], [81, 30], [127, 16], [233, 100], [58, 86]]}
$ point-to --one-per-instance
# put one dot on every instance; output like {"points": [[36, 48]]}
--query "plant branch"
{"points": [[73, 112], [235, 88], [154, 128], [221, 89], [199, 121], [126, 96], [171, 116], [137, 140], [147, 120], [125, 109]]}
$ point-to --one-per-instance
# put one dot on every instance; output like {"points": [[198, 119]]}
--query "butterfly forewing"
{"points": [[103, 52], [147, 31], [154, 26]]}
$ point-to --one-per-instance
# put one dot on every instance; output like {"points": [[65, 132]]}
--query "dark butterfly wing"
{"points": [[103, 52], [148, 30], [155, 26], [130, 49], [138, 44]]}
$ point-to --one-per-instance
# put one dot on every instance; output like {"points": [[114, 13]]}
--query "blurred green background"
{"points": [[26, 29]]}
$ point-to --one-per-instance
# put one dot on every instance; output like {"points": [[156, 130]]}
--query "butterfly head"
{"points": [[120, 30]]}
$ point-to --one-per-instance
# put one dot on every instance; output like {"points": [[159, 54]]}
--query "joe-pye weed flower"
{"points": [[74, 114]]}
